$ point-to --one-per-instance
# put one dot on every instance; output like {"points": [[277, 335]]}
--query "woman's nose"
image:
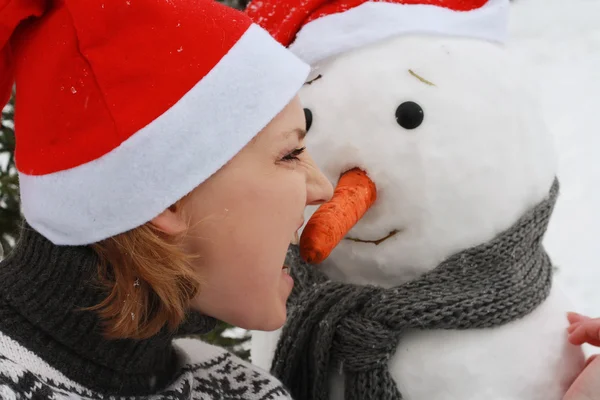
{"points": [[319, 189]]}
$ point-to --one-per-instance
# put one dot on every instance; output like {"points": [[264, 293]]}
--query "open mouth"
{"points": [[375, 242]]}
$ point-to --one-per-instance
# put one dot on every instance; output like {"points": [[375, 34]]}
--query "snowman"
{"points": [[424, 98]]}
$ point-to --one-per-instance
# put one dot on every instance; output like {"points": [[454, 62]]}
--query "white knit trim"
{"points": [[374, 21], [193, 351], [30, 361], [196, 351], [172, 155]]}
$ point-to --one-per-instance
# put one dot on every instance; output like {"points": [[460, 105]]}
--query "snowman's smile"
{"points": [[375, 242]]}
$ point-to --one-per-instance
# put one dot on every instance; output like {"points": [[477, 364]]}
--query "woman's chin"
{"points": [[279, 311], [274, 323], [272, 319]]}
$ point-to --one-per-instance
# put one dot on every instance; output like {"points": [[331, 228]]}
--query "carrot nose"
{"points": [[354, 194]]}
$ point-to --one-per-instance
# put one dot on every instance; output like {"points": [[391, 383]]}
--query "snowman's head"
{"points": [[450, 132]]}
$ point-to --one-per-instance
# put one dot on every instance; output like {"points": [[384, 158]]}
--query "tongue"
{"points": [[354, 195]]}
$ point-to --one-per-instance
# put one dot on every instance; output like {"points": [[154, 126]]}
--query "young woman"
{"points": [[163, 175]]}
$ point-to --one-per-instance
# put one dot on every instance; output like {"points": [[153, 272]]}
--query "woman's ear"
{"points": [[171, 221]]}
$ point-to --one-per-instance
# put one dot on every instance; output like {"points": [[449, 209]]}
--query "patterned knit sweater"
{"points": [[49, 349]]}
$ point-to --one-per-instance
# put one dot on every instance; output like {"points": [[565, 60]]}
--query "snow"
{"points": [[5, 122], [234, 333], [7, 108], [4, 159], [562, 40]]}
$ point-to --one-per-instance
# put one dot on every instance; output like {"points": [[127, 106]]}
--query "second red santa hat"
{"points": [[317, 29]]}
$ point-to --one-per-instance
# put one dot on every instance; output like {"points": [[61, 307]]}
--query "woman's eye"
{"points": [[294, 154], [409, 115], [309, 118]]}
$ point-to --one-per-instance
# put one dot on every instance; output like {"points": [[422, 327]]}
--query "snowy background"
{"points": [[562, 39]]}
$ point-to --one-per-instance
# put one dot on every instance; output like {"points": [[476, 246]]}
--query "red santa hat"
{"points": [[125, 106], [317, 29]]}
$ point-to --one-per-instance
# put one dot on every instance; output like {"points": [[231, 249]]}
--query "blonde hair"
{"points": [[150, 280]]}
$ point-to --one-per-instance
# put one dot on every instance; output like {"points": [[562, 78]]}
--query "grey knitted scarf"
{"points": [[357, 328]]}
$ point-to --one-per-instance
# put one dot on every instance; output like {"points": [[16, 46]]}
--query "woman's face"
{"points": [[243, 219]]}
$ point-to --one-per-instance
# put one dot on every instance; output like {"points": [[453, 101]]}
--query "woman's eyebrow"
{"points": [[298, 131]]}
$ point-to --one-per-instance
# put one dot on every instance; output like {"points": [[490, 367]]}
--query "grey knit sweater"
{"points": [[357, 328], [48, 350]]}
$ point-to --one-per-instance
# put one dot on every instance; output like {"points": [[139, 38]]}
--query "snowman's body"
{"points": [[480, 158]]}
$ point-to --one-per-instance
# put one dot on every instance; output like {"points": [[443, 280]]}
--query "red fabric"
{"points": [[284, 18], [60, 120], [12, 12], [91, 73]]}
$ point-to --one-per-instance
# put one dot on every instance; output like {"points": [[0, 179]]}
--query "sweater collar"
{"points": [[43, 288]]}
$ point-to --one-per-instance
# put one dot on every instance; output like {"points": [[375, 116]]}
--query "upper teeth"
{"points": [[295, 239], [286, 270]]}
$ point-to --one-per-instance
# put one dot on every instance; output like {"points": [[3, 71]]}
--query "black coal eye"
{"points": [[409, 115], [309, 118]]}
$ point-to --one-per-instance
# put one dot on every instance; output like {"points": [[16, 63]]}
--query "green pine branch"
{"points": [[10, 201], [239, 4], [219, 336]]}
